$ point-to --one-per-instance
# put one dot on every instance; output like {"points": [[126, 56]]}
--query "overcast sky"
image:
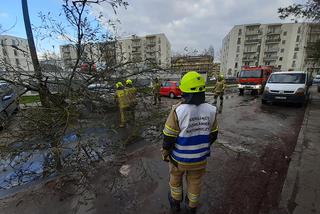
{"points": [[194, 23]]}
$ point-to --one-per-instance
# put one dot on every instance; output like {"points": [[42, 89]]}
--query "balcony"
{"points": [[275, 32], [249, 59], [252, 41], [315, 31], [270, 58], [136, 45], [273, 40], [253, 32], [151, 43], [250, 51], [272, 50], [151, 50]]}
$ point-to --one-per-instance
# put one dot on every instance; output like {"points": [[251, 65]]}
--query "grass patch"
{"points": [[29, 99]]}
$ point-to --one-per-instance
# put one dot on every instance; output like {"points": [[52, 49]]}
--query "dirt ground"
{"points": [[245, 172]]}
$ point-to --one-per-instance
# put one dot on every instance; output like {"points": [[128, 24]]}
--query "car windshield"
{"points": [[287, 78], [251, 74]]}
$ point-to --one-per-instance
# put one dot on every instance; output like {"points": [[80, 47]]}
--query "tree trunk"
{"points": [[44, 92]]}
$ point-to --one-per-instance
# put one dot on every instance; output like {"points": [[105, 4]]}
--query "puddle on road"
{"points": [[26, 167]]}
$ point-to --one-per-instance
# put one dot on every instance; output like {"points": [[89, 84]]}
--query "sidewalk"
{"points": [[301, 190]]}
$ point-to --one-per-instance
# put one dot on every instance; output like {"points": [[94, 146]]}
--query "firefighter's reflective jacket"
{"points": [[132, 94], [190, 130], [122, 98], [219, 87]]}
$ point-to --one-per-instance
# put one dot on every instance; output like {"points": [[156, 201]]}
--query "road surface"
{"points": [[245, 172]]}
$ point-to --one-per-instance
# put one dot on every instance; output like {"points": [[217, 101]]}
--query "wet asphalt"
{"points": [[245, 172]]}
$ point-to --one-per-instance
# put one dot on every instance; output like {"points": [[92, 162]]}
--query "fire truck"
{"points": [[253, 78]]}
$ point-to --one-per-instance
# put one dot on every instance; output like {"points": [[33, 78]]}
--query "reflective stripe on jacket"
{"points": [[191, 125]]}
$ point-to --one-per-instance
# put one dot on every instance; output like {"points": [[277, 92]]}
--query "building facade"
{"points": [[202, 64], [150, 50], [279, 45], [14, 54]]}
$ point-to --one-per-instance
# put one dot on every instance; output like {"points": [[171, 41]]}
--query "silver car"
{"points": [[8, 103]]}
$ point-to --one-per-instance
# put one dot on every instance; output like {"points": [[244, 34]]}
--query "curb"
{"points": [[290, 187]]}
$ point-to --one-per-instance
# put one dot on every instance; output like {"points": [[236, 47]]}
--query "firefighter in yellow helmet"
{"points": [[123, 103], [189, 131], [131, 93], [156, 91], [218, 89]]}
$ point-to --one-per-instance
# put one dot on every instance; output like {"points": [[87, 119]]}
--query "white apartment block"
{"points": [[154, 49], [280, 45], [146, 50], [14, 54]]}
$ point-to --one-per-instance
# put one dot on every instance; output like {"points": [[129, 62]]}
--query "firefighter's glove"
{"points": [[165, 155]]}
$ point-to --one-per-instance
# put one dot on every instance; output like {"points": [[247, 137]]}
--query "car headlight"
{"points": [[257, 86], [300, 91]]}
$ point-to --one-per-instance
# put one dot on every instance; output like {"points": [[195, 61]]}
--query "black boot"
{"points": [[174, 204], [189, 210]]}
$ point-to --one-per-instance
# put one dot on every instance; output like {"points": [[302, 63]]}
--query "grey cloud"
{"points": [[193, 23]]}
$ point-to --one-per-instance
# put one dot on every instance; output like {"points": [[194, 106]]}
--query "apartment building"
{"points": [[282, 45], [202, 64], [14, 54], [150, 50]]}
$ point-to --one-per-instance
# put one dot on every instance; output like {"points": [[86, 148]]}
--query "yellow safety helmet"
{"points": [[192, 82], [128, 82], [119, 84]]}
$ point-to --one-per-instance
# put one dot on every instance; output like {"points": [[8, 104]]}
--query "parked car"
{"points": [[8, 103], [289, 86], [99, 96], [316, 81], [171, 89]]}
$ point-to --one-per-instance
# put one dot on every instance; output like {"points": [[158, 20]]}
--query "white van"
{"points": [[287, 86]]}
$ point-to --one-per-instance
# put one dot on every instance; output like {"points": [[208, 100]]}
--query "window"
{"points": [[280, 58], [283, 42], [299, 29], [279, 66], [293, 64], [238, 49], [285, 33], [237, 55], [282, 50], [239, 32], [298, 38], [295, 55], [239, 41], [236, 65]]}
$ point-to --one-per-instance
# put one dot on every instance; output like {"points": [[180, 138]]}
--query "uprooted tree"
{"points": [[66, 100]]}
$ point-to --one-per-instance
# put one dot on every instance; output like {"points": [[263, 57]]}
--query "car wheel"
{"points": [[171, 95]]}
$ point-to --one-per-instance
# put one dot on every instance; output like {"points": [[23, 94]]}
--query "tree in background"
{"points": [[310, 10]]}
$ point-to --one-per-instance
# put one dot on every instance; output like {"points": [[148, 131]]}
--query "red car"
{"points": [[171, 89]]}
